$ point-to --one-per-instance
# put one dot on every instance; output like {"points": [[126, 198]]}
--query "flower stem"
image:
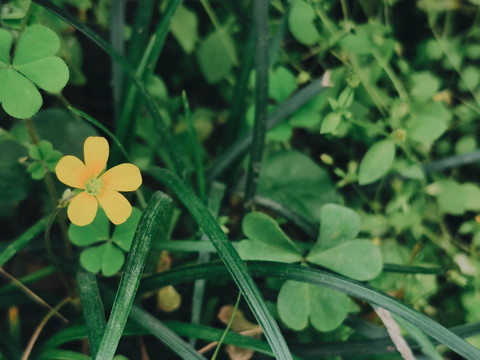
{"points": [[52, 191]]}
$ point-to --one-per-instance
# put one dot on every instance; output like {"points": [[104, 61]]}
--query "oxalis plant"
{"points": [[174, 191]]}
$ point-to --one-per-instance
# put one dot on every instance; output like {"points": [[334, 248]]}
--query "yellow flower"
{"points": [[99, 187]]}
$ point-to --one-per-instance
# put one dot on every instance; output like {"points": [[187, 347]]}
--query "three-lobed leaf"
{"points": [[300, 302], [301, 23], [266, 241], [34, 63]]}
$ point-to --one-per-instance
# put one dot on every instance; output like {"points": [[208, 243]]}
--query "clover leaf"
{"points": [[108, 256], [338, 250], [266, 241], [45, 157], [299, 302], [34, 63]]}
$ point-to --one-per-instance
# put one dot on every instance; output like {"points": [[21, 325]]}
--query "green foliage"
{"points": [[34, 63], [107, 254], [360, 113], [45, 159]]}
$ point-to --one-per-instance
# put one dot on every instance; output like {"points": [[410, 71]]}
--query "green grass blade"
{"points": [[133, 103], [197, 149], [217, 191], [117, 39], [234, 152], [276, 43], [229, 256], [22, 240], [422, 340], [329, 280], [133, 77], [158, 206], [60, 354], [141, 24], [260, 10], [92, 308], [234, 123], [165, 335]]}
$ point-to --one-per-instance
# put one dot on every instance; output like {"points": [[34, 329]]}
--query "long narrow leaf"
{"points": [[22, 240], [229, 256], [130, 71], [92, 308], [260, 8], [158, 206], [326, 279]]}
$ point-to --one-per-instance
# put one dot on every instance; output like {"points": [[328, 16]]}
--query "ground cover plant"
{"points": [[239, 180]]}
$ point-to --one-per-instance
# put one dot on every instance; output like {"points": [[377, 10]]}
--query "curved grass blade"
{"points": [[377, 345], [260, 14], [22, 240], [283, 111], [197, 149], [229, 256], [133, 77], [92, 308], [158, 207], [217, 191], [145, 69], [60, 354], [329, 280]]}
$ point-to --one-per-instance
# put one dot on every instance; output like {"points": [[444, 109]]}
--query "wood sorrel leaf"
{"points": [[300, 22], [35, 62], [123, 233], [294, 180], [298, 302], [357, 259], [98, 230], [338, 224], [266, 241]]}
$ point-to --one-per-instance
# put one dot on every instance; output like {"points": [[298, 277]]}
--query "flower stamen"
{"points": [[94, 185]]}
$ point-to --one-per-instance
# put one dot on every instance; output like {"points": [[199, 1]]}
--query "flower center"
{"points": [[93, 186]]}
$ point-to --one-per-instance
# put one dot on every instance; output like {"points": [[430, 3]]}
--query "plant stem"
{"points": [[230, 321], [261, 100], [52, 191]]}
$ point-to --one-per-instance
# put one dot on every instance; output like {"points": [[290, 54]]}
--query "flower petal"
{"points": [[123, 177], [71, 171], [82, 209], [116, 206], [95, 150]]}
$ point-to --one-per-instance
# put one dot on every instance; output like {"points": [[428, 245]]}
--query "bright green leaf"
{"points": [[266, 241], [281, 84], [36, 43], [357, 259], [98, 230], [357, 44], [377, 162], [50, 74], [215, 62], [298, 302], [19, 97], [301, 23], [338, 225], [123, 233], [184, 26], [91, 258], [451, 197], [5, 45], [36, 170], [281, 132], [423, 86], [426, 130], [113, 259], [330, 123]]}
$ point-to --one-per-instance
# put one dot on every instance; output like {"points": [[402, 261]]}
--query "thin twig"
{"points": [[30, 293]]}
